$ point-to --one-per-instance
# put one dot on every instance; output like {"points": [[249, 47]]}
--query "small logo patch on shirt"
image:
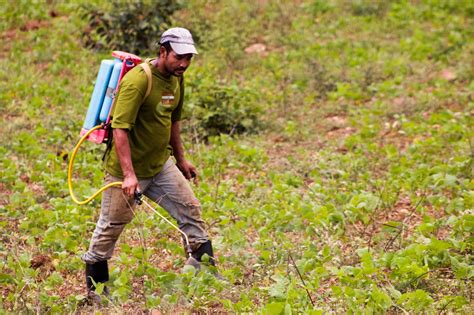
{"points": [[167, 98]]}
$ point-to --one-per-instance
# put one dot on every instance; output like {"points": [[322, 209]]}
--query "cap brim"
{"points": [[183, 49]]}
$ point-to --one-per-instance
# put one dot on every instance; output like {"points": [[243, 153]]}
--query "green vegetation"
{"points": [[342, 176], [127, 26]]}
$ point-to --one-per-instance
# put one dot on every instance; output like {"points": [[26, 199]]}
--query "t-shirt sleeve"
{"points": [[129, 98], [176, 115]]}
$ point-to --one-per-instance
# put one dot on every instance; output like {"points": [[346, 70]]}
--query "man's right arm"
{"points": [[122, 147]]}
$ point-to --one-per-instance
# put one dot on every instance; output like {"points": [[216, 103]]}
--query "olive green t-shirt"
{"points": [[148, 121]]}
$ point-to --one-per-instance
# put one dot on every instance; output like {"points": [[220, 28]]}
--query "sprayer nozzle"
{"points": [[189, 251]]}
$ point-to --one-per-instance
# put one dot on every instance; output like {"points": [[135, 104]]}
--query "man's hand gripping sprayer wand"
{"points": [[138, 195]]}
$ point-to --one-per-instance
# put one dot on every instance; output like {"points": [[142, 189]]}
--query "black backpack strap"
{"points": [[109, 140]]}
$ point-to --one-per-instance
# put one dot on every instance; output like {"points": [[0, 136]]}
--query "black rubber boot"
{"points": [[99, 272], [196, 259], [205, 248]]}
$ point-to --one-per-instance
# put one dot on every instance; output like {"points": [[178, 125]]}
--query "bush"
{"points": [[130, 26], [368, 8], [221, 108]]}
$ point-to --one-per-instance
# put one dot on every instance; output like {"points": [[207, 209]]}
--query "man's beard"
{"points": [[176, 74], [173, 71]]}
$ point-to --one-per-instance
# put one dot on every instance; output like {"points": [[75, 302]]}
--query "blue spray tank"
{"points": [[110, 74]]}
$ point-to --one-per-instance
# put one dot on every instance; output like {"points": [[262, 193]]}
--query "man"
{"points": [[146, 132]]}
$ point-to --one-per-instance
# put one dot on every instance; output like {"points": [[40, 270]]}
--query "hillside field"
{"points": [[334, 144]]}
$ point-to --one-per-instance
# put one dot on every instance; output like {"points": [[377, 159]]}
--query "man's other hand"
{"points": [[188, 170]]}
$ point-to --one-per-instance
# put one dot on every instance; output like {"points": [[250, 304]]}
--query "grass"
{"points": [[358, 181]]}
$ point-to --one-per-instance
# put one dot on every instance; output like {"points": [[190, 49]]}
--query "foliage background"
{"points": [[334, 140]]}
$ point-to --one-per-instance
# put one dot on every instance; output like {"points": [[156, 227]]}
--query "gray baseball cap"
{"points": [[180, 39]]}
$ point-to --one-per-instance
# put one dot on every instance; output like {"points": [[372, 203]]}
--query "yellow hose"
{"points": [[69, 172]]}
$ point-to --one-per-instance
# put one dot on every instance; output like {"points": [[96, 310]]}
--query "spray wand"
{"points": [[139, 200]]}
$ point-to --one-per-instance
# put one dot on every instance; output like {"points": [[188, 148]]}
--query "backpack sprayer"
{"points": [[97, 126]]}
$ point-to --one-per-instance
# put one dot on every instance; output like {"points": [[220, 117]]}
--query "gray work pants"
{"points": [[169, 189]]}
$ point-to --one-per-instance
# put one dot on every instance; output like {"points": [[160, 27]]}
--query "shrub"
{"points": [[129, 26], [367, 8], [221, 108]]}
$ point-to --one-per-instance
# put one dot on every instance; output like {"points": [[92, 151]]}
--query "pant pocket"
{"points": [[121, 208]]}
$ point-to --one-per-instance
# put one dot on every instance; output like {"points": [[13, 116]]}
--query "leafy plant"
{"points": [[221, 108], [129, 26]]}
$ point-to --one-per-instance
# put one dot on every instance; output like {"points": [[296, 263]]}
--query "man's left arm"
{"points": [[188, 170]]}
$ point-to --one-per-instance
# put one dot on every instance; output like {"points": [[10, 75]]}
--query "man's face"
{"points": [[177, 64]]}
